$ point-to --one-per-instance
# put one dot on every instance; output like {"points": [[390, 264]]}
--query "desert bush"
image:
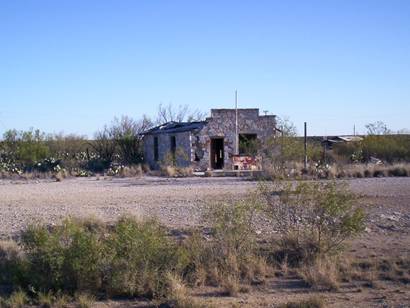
{"points": [[312, 218], [67, 145], [104, 146], [12, 265], [28, 147], [389, 148], [230, 256], [130, 258], [133, 258], [67, 257], [140, 255], [127, 134]]}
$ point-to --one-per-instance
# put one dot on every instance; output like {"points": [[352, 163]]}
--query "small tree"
{"points": [[170, 113], [104, 145], [127, 134], [27, 147], [287, 148], [377, 128], [320, 216]]}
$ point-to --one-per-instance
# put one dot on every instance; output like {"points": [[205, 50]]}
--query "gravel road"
{"points": [[175, 202]]}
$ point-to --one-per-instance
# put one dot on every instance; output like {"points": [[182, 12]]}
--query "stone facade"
{"points": [[182, 154], [194, 146]]}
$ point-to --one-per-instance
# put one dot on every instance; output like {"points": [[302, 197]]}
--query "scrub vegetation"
{"points": [[83, 261]]}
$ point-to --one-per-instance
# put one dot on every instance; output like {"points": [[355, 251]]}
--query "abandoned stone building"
{"points": [[229, 139]]}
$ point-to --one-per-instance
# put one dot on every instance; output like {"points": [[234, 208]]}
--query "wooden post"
{"points": [[305, 145]]}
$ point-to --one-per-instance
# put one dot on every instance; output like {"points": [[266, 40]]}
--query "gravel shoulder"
{"points": [[176, 202]]}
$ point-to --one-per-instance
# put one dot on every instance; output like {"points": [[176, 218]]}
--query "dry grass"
{"points": [[177, 294], [322, 275], [312, 302], [84, 300], [45, 299], [131, 171], [172, 171], [17, 299], [230, 285], [61, 301], [373, 272]]}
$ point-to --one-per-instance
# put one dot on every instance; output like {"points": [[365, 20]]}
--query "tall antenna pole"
{"points": [[236, 124]]}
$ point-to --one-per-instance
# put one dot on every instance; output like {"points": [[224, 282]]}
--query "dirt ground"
{"points": [[178, 203]]}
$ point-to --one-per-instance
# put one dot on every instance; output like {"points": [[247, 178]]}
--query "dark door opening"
{"points": [[217, 153], [173, 141]]}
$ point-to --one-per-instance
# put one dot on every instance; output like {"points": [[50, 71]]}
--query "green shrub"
{"points": [[139, 254], [12, 265], [28, 147], [389, 148], [67, 257], [311, 217]]}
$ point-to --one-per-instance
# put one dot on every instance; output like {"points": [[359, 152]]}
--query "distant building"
{"points": [[211, 144], [329, 142]]}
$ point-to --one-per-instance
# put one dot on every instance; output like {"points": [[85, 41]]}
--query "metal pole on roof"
{"points": [[236, 124]]}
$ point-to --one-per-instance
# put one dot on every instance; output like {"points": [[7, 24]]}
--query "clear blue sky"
{"points": [[73, 65]]}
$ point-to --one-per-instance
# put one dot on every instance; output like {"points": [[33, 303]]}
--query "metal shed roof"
{"points": [[175, 127]]}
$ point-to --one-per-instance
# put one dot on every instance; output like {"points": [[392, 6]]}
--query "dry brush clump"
{"points": [[323, 274], [229, 257]]}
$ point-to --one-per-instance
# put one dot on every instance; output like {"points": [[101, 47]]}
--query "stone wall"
{"points": [[194, 147], [222, 124], [183, 149]]}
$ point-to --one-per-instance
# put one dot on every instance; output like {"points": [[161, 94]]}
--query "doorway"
{"points": [[217, 153]]}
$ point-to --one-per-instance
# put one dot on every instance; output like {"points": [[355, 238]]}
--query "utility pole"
{"points": [[305, 144], [236, 124]]}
